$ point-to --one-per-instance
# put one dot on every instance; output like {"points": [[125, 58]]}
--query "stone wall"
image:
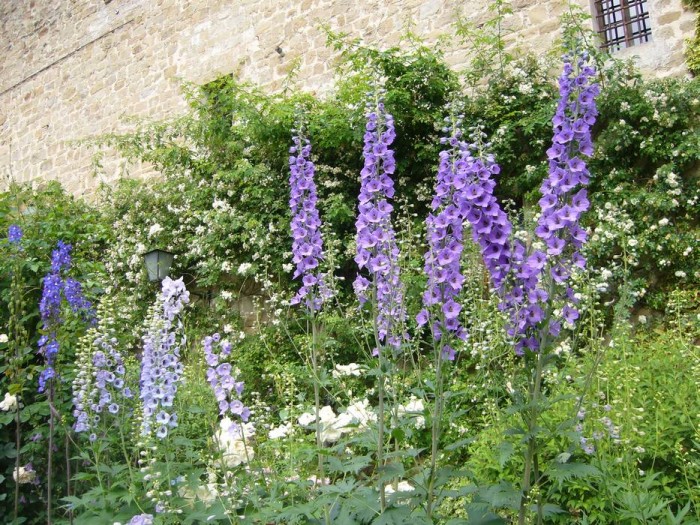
{"points": [[72, 69]]}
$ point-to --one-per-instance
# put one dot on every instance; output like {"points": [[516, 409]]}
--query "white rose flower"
{"points": [[414, 409], [3, 338], [306, 419], [361, 412], [402, 486]]}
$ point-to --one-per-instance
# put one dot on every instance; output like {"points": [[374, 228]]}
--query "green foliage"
{"points": [[692, 50]]}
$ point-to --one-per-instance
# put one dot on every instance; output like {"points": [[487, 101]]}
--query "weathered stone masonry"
{"points": [[72, 69]]}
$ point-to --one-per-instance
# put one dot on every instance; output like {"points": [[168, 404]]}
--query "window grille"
{"points": [[622, 23]]}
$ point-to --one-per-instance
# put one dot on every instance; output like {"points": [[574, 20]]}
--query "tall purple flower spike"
{"points": [[541, 276], [307, 245], [445, 241], [377, 250]]}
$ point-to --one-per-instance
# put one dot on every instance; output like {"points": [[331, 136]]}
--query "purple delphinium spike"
{"points": [[307, 245], [541, 276], [377, 250], [445, 241], [54, 286], [161, 368], [219, 375]]}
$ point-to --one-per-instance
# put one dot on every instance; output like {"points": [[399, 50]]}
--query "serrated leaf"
{"points": [[459, 444], [505, 452], [391, 471], [563, 472]]}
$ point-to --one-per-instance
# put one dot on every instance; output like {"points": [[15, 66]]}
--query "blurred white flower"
{"points": [[233, 440], [24, 474], [402, 486], [332, 426], [3, 338], [353, 369], [244, 268], [414, 409], [361, 412], [155, 230], [9, 403], [280, 431]]}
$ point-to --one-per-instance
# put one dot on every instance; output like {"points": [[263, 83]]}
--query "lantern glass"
{"points": [[158, 263]]}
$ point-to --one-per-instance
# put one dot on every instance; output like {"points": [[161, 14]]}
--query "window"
{"points": [[622, 23]]}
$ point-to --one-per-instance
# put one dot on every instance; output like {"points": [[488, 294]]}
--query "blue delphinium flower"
{"points": [[307, 245], [227, 390], [14, 234], [377, 250], [161, 368]]}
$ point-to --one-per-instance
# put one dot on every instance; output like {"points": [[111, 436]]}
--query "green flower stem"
{"points": [[317, 400], [380, 407], [436, 429], [18, 443], [531, 463], [49, 471]]}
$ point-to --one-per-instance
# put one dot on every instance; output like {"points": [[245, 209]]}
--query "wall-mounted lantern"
{"points": [[158, 263]]}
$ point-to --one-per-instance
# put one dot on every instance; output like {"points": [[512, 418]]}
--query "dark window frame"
{"points": [[622, 23]]}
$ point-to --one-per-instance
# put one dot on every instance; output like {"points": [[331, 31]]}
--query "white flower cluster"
{"points": [[9, 403], [24, 474], [207, 493], [233, 441], [413, 410], [333, 426], [353, 369]]}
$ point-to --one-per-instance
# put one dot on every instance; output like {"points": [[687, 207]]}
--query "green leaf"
{"points": [[563, 472], [505, 452]]}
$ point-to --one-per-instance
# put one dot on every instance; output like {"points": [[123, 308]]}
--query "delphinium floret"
{"points": [[161, 368], [307, 245], [377, 249]]}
